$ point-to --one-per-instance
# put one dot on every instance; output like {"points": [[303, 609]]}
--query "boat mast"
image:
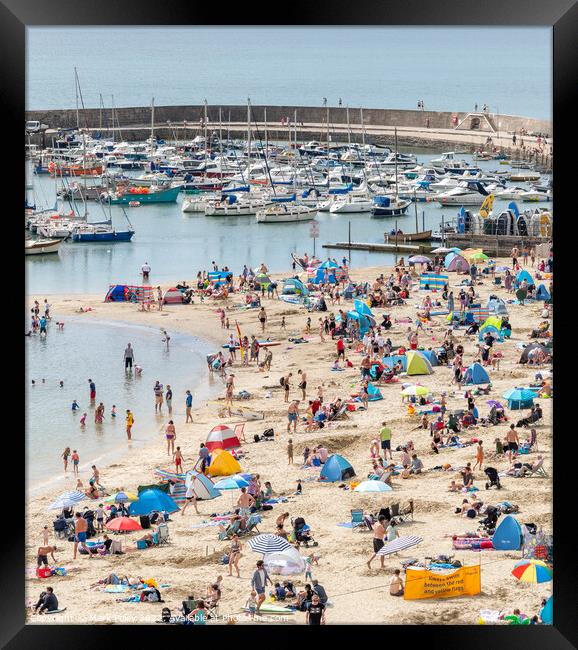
{"points": [[206, 141], [76, 94], [348, 128], [266, 134], [152, 122], [221, 142], [395, 134], [248, 132]]}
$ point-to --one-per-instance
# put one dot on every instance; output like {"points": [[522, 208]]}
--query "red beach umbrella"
{"points": [[123, 524]]}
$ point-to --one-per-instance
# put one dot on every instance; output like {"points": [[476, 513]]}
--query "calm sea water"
{"points": [[84, 350], [177, 245], [450, 68]]}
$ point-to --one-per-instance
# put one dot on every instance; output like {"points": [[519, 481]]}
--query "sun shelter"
{"points": [[389, 362], [432, 281], [455, 262], [364, 321], [476, 374], [431, 356], [362, 307], [529, 348], [294, 287], [496, 306], [222, 437], [285, 563], [417, 364], [496, 333], [374, 393], [547, 612], [508, 535], [262, 279], [128, 293], [223, 464], [524, 275], [519, 398], [542, 293], [173, 296], [218, 278], [492, 321], [176, 480], [151, 500], [203, 487], [336, 468]]}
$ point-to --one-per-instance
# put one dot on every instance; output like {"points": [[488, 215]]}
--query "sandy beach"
{"points": [[191, 561]]}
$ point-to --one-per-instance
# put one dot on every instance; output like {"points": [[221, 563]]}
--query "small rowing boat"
{"points": [[42, 246]]}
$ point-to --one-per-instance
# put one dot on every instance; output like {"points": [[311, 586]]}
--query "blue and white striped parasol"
{"points": [[399, 544], [67, 499], [268, 543]]}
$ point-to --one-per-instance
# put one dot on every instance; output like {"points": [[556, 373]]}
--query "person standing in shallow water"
{"points": [[128, 357], [92, 389]]}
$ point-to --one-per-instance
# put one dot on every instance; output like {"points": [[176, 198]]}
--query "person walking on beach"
{"points": [[169, 398], [166, 338], [262, 318], [259, 582], [129, 420], [80, 528], [171, 436], [385, 435], [158, 390], [160, 298], [128, 357], [479, 455], [378, 543], [92, 389], [178, 458], [75, 460], [190, 497], [65, 455], [229, 389], [513, 441], [188, 406], [515, 253]]}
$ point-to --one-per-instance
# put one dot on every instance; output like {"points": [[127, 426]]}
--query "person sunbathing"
{"points": [[456, 487]]}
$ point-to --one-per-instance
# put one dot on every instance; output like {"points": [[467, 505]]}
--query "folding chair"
{"points": [[240, 430], [162, 534], [537, 471], [408, 510], [357, 519]]}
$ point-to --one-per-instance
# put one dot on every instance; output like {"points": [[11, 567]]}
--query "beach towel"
{"points": [[117, 589]]}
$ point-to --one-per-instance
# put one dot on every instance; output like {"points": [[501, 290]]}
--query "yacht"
{"points": [[467, 193], [351, 203], [284, 213]]}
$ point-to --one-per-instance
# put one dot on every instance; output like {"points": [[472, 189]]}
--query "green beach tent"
{"points": [[417, 364]]}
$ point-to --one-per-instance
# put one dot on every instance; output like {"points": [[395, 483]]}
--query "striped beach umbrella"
{"points": [[532, 571], [372, 486], [121, 497], [268, 543], [67, 499], [399, 544], [203, 487], [222, 437]]}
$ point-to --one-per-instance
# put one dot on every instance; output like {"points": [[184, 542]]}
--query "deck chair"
{"points": [[407, 510], [240, 430], [162, 534], [252, 522], [537, 471], [357, 520], [231, 530], [395, 513]]}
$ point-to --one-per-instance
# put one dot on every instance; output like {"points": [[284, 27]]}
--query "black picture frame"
{"points": [[562, 16]]}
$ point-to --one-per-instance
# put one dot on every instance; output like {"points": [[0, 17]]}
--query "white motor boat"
{"points": [[198, 204], [235, 209], [284, 213], [349, 203], [509, 193], [472, 193], [41, 246], [536, 195]]}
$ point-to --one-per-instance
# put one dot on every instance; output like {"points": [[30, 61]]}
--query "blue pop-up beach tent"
{"points": [[542, 293], [336, 468], [151, 500], [430, 355], [391, 361], [508, 535], [524, 275], [476, 374], [374, 393]]}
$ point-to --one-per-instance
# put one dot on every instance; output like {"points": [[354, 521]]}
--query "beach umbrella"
{"points": [[234, 482], [502, 268], [268, 543], [419, 259], [519, 398], [372, 486], [478, 257], [285, 563], [151, 500], [532, 571], [442, 249], [67, 499], [362, 308], [121, 497], [124, 524], [203, 487], [547, 612], [415, 390], [492, 402], [262, 278], [399, 544]]}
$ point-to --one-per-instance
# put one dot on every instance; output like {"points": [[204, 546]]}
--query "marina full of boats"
{"points": [[95, 181]]}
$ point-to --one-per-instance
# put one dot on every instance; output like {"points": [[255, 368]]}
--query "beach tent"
{"points": [[496, 333], [362, 307], [294, 287], [417, 364], [151, 500], [519, 398], [542, 293], [476, 374], [374, 393], [173, 296], [202, 485], [284, 563], [431, 281], [222, 437], [391, 361], [218, 278], [523, 275], [529, 348], [364, 322], [223, 464], [262, 279], [547, 612], [128, 293], [476, 314], [456, 263], [508, 535], [492, 321], [336, 468], [496, 306], [431, 356]]}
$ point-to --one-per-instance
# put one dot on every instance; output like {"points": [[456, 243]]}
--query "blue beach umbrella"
{"points": [[519, 398], [235, 482], [372, 486]]}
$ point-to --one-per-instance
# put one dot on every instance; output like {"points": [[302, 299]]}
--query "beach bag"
{"points": [[269, 433], [43, 572], [282, 381]]}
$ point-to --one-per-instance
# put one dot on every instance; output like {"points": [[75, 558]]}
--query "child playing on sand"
{"points": [[283, 323], [290, 451], [299, 487], [251, 604]]}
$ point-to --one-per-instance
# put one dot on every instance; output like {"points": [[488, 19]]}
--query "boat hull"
{"points": [[163, 196], [89, 237], [42, 248]]}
